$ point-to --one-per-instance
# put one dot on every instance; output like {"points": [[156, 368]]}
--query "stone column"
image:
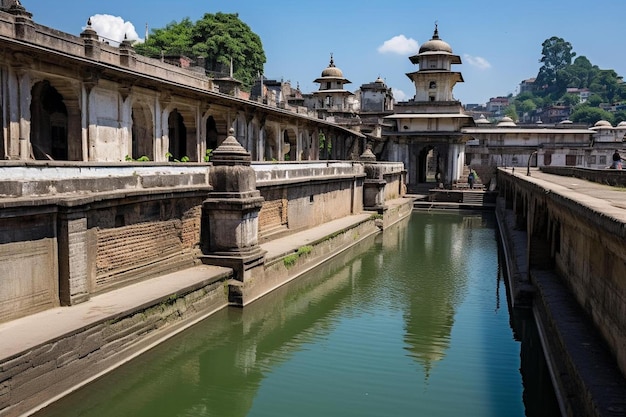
{"points": [[127, 53], [374, 185], [75, 253], [24, 26], [91, 40], [229, 230]]}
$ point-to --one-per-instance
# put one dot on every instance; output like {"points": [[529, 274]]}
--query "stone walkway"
{"points": [[28, 332], [595, 370]]}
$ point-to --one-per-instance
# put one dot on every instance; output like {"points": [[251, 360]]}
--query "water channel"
{"points": [[414, 321]]}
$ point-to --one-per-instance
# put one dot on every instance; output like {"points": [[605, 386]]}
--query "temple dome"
{"points": [[482, 120], [602, 123], [332, 70], [435, 44], [506, 121]]}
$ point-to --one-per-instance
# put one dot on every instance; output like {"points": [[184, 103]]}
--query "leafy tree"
{"points": [[607, 85], [220, 37], [594, 100], [174, 39], [582, 72], [511, 111], [570, 99], [527, 106], [590, 115], [217, 38], [556, 55], [620, 116]]}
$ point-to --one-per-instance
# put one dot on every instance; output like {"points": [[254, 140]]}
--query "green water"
{"points": [[413, 322]]}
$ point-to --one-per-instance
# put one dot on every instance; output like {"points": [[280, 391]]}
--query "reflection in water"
{"points": [[402, 324]]}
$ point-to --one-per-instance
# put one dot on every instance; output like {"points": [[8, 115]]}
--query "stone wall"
{"points": [[584, 247], [92, 227], [68, 231], [37, 375], [302, 195], [28, 262], [614, 177]]}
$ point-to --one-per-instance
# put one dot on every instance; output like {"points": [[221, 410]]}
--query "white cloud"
{"points": [[477, 61], [399, 45], [113, 28], [399, 95]]}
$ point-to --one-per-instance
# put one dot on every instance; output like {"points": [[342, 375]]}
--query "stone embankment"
{"points": [[104, 262], [549, 253]]}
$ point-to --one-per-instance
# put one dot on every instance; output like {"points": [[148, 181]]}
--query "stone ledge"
{"points": [[61, 349]]}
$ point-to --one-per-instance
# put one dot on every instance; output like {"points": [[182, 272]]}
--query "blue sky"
{"points": [[499, 42]]}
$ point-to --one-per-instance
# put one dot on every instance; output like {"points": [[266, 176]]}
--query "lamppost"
{"points": [[528, 166]]}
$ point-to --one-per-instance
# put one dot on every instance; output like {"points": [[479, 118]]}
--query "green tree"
{"points": [[590, 115], [556, 55], [620, 116], [511, 111], [219, 39], [582, 72], [608, 85], [527, 106], [174, 39], [570, 99]]}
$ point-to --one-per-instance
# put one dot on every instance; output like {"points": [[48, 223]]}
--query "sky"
{"points": [[499, 42]]}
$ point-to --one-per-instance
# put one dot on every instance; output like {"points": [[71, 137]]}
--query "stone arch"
{"points": [[290, 145], [217, 129], [182, 134], [177, 132], [142, 131], [211, 133], [429, 165], [55, 122]]}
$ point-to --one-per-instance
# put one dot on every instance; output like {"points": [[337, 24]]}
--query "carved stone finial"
{"points": [[230, 152], [368, 155]]}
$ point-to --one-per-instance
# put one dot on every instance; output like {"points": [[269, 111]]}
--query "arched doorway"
{"points": [[290, 145], [49, 123], [177, 136], [429, 165], [142, 132], [211, 133]]}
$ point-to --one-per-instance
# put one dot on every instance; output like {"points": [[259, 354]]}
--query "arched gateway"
{"points": [[427, 130]]}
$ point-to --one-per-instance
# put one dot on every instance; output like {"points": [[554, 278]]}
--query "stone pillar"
{"points": [[24, 86], [127, 53], [374, 184], [92, 42], [24, 26], [230, 217], [74, 257]]}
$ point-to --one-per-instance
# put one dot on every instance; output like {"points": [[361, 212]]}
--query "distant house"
{"points": [[497, 104], [582, 93], [555, 114], [527, 85]]}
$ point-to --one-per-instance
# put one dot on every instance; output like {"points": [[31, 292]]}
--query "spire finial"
{"points": [[436, 34], [332, 63], [89, 22]]}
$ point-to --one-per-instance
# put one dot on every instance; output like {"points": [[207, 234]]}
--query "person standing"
{"points": [[471, 178], [617, 160]]}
